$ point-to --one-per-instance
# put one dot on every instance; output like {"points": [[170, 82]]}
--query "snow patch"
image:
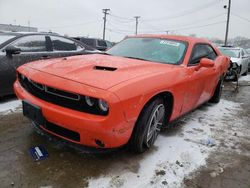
{"points": [[9, 107], [174, 156], [245, 78]]}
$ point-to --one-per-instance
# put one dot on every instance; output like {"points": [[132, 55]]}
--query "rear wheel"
{"points": [[148, 126], [217, 94]]}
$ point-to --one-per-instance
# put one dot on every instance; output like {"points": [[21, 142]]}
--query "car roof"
{"points": [[9, 33], [230, 47], [90, 38], [173, 37]]}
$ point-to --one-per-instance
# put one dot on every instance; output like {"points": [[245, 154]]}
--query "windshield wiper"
{"points": [[104, 53], [136, 58]]}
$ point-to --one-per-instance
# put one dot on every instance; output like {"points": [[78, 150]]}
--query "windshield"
{"points": [[150, 49], [4, 38], [230, 52]]}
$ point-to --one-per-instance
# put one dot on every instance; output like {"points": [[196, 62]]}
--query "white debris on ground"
{"points": [[176, 155], [10, 106]]}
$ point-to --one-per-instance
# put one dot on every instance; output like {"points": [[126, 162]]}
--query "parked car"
{"points": [[238, 56], [124, 96], [248, 52], [98, 44], [19, 48]]}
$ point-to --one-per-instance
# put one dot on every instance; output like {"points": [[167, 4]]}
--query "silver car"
{"points": [[248, 51], [238, 56]]}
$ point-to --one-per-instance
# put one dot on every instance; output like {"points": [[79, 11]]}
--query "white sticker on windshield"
{"points": [[172, 43]]}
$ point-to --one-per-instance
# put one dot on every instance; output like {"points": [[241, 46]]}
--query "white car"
{"points": [[248, 51], [238, 56]]}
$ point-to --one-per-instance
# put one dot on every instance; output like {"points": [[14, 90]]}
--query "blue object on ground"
{"points": [[208, 142], [38, 153]]}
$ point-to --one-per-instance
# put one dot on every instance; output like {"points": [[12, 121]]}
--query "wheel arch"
{"points": [[168, 99]]}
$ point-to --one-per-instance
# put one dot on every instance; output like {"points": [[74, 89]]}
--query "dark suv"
{"points": [[19, 48], [98, 44]]}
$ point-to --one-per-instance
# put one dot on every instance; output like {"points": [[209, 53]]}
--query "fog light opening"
{"points": [[99, 143]]}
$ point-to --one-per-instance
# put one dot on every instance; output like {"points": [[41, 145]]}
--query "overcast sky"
{"points": [[205, 18]]}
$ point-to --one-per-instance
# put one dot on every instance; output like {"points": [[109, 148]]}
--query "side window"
{"points": [[201, 51], [89, 42], [211, 53], [101, 43], [63, 44], [242, 53], [32, 43]]}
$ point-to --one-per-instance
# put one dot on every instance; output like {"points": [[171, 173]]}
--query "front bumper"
{"points": [[109, 131]]}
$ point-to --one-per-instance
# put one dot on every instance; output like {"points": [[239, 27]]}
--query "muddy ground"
{"points": [[227, 166]]}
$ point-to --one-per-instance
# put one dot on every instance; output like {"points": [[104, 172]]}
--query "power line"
{"points": [[184, 13], [187, 12], [241, 17], [121, 18], [187, 28], [126, 32], [190, 24], [71, 25], [117, 32]]}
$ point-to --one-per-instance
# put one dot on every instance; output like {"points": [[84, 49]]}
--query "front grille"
{"points": [[66, 133], [59, 97]]}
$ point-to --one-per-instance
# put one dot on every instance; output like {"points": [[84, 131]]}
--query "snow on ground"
{"points": [[10, 106], [175, 155], [245, 78]]}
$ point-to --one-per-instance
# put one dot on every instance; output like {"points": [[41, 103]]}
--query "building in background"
{"points": [[17, 28]]}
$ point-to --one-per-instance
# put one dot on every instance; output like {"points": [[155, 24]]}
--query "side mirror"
{"points": [[12, 50], [205, 62]]}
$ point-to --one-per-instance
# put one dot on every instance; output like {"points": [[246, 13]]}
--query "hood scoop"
{"points": [[103, 68]]}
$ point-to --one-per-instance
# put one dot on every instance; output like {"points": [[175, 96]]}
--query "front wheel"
{"points": [[148, 126], [217, 93]]}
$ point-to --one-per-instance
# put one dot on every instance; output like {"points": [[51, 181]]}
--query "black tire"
{"points": [[217, 93], [245, 73], [138, 142]]}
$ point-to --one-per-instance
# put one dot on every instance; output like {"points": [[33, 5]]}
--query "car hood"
{"points": [[100, 71], [236, 60]]}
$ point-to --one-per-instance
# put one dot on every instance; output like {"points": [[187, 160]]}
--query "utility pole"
{"points": [[136, 24], [105, 12], [228, 18]]}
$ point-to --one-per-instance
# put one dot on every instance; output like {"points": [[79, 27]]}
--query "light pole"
{"points": [[228, 19], [105, 12], [136, 24]]}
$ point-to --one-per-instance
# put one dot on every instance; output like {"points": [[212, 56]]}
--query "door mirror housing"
{"points": [[205, 62], [12, 50]]}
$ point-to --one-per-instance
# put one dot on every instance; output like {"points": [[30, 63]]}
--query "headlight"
{"points": [[103, 105], [89, 100]]}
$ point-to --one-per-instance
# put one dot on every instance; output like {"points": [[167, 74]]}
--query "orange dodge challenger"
{"points": [[125, 95]]}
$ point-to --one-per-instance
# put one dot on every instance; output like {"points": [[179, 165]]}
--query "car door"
{"points": [[197, 78], [32, 47], [245, 61], [6, 75], [62, 47]]}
